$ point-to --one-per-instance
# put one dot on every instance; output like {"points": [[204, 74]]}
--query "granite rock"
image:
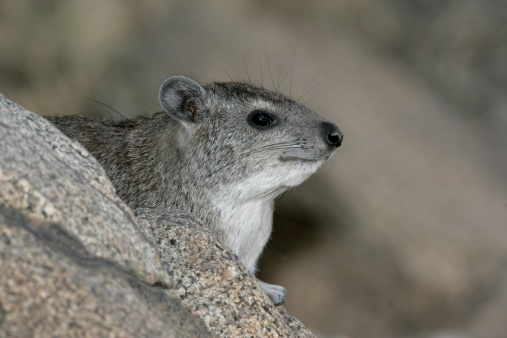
{"points": [[211, 282], [51, 285], [72, 259], [55, 179]]}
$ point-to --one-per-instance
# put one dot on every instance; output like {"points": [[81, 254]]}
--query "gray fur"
{"points": [[202, 156]]}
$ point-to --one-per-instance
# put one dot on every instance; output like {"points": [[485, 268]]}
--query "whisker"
{"points": [[241, 156], [272, 248], [225, 70], [310, 83], [260, 66], [310, 89], [244, 63], [269, 68], [284, 77], [105, 105], [292, 71], [311, 99], [280, 71], [275, 146]]}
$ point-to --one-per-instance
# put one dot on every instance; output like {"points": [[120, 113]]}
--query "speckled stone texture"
{"points": [[212, 283], [72, 259], [55, 179], [50, 285]]}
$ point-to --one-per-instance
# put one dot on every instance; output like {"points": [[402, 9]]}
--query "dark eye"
{"points": [[261, 119]]}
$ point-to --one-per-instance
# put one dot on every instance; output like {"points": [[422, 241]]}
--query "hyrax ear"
{"points": [[183, 99]]}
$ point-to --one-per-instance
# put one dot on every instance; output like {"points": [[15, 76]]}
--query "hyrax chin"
{"points": [[222, 152]]}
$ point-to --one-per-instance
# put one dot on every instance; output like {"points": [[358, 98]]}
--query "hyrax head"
{"points": [[248, 134]]}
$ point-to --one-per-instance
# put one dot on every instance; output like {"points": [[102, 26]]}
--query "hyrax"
{"points": [[221, 152]]}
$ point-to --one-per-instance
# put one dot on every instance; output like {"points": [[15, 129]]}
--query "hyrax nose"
{"points": [[332, 134]]}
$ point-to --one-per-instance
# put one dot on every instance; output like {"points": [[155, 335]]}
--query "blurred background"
{"points": [[404, 232]]}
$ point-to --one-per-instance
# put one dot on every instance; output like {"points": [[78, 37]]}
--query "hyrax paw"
{"points": [[275, 292]]}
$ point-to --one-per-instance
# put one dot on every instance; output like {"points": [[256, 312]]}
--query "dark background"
{"points": [[404, 232]]}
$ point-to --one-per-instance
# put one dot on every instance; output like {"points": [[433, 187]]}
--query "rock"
{"points": [[74, 260], [54, 179], [211, 282], [50, 285]]}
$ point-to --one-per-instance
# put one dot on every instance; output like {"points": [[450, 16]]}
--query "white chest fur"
{"points": [[247, 228], [246, 209]]}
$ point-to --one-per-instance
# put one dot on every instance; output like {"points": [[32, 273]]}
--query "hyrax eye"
{"points": [[261, 119]]}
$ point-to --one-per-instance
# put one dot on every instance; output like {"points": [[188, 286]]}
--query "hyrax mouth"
{"points": [[302, 159]]}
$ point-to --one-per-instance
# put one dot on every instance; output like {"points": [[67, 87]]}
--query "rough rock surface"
{"points": [[211, 282], [54, 179], [74, 261], [51, 285]]}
